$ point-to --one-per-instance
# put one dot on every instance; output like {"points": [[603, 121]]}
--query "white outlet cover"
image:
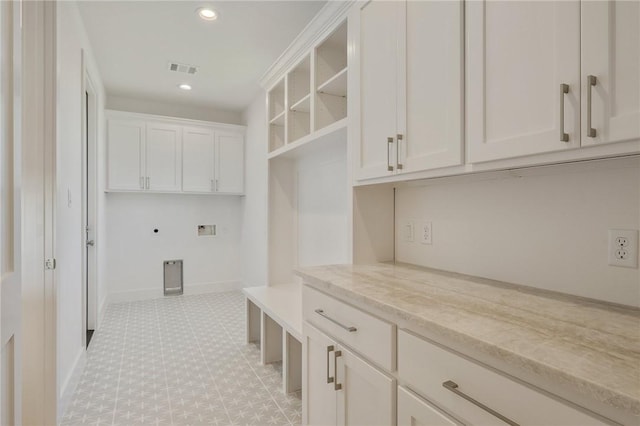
{"points": [[426, 236], [408, 232], [623, 247]]}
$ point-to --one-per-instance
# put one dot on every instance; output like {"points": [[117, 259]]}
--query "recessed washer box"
{"points": [[206, 230]]}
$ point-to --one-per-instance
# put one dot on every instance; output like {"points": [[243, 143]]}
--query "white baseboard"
{"points": [[102, 308], [189, 289], [71, 382]]}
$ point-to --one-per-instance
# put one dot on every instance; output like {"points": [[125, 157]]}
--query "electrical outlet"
{"points": [[425, 233], [623, 247], [408, 232]]}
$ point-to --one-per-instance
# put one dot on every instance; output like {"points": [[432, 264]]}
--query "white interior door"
{"points": [[367, 396], [378, 56], [434, 86], [230, 163], [164, 157], [10, 213], [90, 120], [518, 55], [198, 146], [126, 154], [611, 54]]}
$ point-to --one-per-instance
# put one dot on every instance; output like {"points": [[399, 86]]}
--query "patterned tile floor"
{"points": [[179, 361]]}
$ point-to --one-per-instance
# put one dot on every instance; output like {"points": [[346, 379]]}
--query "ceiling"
{"points": [[133, 42]]}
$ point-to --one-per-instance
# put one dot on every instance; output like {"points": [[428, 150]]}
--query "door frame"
{"points": [[38, 145], [89, 198]]}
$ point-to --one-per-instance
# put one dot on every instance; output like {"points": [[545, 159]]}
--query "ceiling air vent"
{"points": [[177, 67]]}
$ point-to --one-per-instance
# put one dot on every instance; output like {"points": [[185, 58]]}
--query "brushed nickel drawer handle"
{"points": [[329, 350], [322, 314], [399, 138], [389, 147], [337, 354], [453, 387], [564, 89], [591, 81]]}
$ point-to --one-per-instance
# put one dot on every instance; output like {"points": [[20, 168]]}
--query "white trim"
{"points": [[110, 113], [189, 289], [71, 382], [328, 17]]}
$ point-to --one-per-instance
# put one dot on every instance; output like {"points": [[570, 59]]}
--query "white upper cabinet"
{"points": [[198, 153], [164, 157], [378, 33], [523, 78], [126, 154], [229, 163], [610, 71], [433, 93], [151, 153], [411, 80]]}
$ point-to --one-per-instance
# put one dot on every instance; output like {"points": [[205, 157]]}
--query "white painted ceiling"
{"points": [[133, 41]]}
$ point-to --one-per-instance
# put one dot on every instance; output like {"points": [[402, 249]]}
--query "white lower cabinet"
{"points": [[341, 388], [438, 386], [415, 411], [475, 394]]}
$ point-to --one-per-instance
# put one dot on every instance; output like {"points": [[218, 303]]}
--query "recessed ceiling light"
{"points": [[184, 86], [207, 14]]}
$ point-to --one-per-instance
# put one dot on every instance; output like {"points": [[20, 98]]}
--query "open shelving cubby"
{"points": [[331, 78], [277, 116], [299, 97]]}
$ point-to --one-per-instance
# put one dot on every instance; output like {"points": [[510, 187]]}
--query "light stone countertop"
{"points": [[586, 345]]}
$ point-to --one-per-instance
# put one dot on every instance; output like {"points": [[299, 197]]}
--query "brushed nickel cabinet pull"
{"points": [[337, 354], [148, 182], [329, 350], [350, 329], [389, 147], [453, 387], [591, 81], [564, 89], [399, 164]]}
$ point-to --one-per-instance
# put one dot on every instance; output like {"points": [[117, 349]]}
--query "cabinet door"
{"points": [[230, 163], [518, 56], [319, 403], [367, 396], [126, 140], [164, 157], [378, 50], [611, 54], [414, 411], [198, 146], [434, 86]]}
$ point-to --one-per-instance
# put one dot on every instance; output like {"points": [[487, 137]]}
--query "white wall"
{"points": [[149, 106], [71, 40], [254, 219], [135, 253], [546, 229], [322, 196]]}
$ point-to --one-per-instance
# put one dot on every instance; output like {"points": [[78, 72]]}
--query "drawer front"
{"points": [[371, 336], [425, 367], [413, 411]]}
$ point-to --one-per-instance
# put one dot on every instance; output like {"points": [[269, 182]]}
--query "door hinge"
{"points": [[50, 264]]}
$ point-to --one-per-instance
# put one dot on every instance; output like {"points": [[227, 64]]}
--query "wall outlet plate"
{"points": [[206, 230], [623, 247], [425, 233], [407, 232]]}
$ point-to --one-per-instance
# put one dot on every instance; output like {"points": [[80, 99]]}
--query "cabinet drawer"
{"points": [[425, 367], [413, 410], [363, 332]]}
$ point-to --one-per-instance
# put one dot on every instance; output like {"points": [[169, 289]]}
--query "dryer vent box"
{"points": [[173, 284]]}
